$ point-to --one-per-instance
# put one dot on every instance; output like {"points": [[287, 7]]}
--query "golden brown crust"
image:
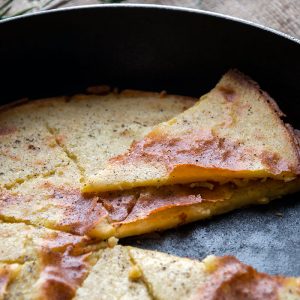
{"points": [[152, 201], [199, 149], [82, 214], [64, 265], [232, 280], [234, 131], [118, 204], [4, 281], [65, 259], [79, 214], [137, 204], [62, 274]]}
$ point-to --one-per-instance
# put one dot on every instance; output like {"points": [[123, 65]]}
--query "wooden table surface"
{"points": [[283, 15]]}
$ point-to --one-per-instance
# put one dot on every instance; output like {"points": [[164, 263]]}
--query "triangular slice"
{"points": [[234, 131], [167, 276], [39, 263], [110, 278], [52, 198], [225, 278], [133, 273]]}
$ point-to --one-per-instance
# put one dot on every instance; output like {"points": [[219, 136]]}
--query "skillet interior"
{"points": [[183, 52]]}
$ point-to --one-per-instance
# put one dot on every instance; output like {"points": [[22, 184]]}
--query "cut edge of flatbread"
{"points": [[161, 209]]}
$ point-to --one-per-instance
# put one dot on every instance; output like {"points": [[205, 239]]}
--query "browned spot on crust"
{"points": [[234, 280], [273, 162], [79, 214], [200, 149], [118, 204], [228, 93], [153, 200], [7, 130], [59, 241], [64, 265], [62, 273], [60, 138], [4, 280]]}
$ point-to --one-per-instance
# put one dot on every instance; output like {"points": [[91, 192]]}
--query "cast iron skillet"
{"points": [[182, 51]]}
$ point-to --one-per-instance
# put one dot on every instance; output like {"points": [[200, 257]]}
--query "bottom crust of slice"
{"points": [[159, 209]]}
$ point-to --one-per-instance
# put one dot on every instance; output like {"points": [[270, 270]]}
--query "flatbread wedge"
{"points": [[133, 273], [86, 130], [233, 132], [38, 263], [48, 146], [110, 278], [51, 235], [56, 203]]}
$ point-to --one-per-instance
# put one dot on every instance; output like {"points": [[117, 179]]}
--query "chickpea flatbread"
{"points": [[233, 132]]}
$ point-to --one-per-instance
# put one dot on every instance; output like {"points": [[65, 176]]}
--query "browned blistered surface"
{"points": [[230, 279], [234, 131], [51, 235]]}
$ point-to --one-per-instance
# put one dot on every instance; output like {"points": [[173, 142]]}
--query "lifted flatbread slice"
{"points": [[234, 131]]}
